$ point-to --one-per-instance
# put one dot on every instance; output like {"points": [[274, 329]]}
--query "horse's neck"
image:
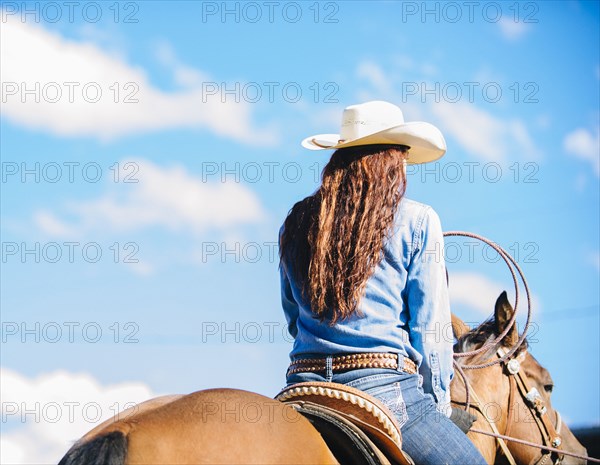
{"points": [[487, 445]]}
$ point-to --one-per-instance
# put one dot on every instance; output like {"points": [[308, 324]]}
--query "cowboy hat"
{"points": [[379, 122]]}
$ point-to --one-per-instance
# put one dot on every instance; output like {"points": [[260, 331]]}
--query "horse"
{"points": [[231, 426], [499, 396], [214, 426]]}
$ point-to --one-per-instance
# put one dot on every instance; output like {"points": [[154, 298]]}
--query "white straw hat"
{"points": [[379, 122]]}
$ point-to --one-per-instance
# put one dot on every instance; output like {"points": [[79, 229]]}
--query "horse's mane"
{"points": [[475, 338]]}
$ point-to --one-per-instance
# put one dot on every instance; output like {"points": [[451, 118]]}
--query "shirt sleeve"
{"points": [[288, 303], [429, 310]]}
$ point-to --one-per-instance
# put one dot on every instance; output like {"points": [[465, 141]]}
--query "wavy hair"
{"points": [[333, 240]]}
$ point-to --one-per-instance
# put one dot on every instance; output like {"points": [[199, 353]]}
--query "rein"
{"points": [[550, 434]]}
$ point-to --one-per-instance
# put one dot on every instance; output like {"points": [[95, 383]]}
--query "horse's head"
{"points": [[515, 395]]}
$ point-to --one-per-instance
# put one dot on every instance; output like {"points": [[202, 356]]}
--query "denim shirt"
{"points": [[405, 308]]}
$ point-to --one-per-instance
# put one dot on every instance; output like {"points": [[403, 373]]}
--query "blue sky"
{"points": [[150, 151]]}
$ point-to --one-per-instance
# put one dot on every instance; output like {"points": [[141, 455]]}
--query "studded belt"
{"points": [[353, 362]]}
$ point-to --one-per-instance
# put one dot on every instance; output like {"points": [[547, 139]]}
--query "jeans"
{"points": [[428, 436]]}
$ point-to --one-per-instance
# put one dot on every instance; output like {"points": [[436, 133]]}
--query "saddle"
{"points": [[358, 428]]}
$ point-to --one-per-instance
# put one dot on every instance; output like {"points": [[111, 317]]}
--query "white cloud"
{"points": [[107, 36], [375, 75], [543, 121], [52, 225], [511, 29], [480, 293], [140, 267], [170, 198], [582, 144], [390, 84], [479, 132], [44, 61], [43, 416], [475, 291], [483, 135], [183, 75], [593, 258], [408, 64]]}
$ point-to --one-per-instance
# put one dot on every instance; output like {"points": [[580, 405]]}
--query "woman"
{"points": [[362, 273]]}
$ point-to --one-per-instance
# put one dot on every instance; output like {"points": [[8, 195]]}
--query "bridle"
{"points": [[550, 433]]}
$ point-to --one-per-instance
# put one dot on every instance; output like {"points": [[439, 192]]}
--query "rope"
{"points": [[510, 262], [537, 446], [465, 382]]}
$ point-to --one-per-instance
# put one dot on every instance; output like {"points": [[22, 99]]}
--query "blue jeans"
{"points": [[428, 436]]}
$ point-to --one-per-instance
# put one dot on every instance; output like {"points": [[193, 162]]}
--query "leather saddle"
{"points": [[358, 428]]}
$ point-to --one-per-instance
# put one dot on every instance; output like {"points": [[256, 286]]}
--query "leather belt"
{"points": [[353, 362]]}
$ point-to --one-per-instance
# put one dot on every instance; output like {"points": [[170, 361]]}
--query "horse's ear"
{"points": [[503, 313], [459, 328]]}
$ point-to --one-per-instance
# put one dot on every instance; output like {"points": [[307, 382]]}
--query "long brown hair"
{"points": [[332, 240]]}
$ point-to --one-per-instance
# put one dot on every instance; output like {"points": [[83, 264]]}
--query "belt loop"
{"points": [[400, 363], [329, 368]]}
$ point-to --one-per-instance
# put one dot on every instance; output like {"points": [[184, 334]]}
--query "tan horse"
{"points": [[216, 426], [500, 398], [221, 426]]}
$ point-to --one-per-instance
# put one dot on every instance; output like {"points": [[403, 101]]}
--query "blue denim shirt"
{"points": [[405, 308]]}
